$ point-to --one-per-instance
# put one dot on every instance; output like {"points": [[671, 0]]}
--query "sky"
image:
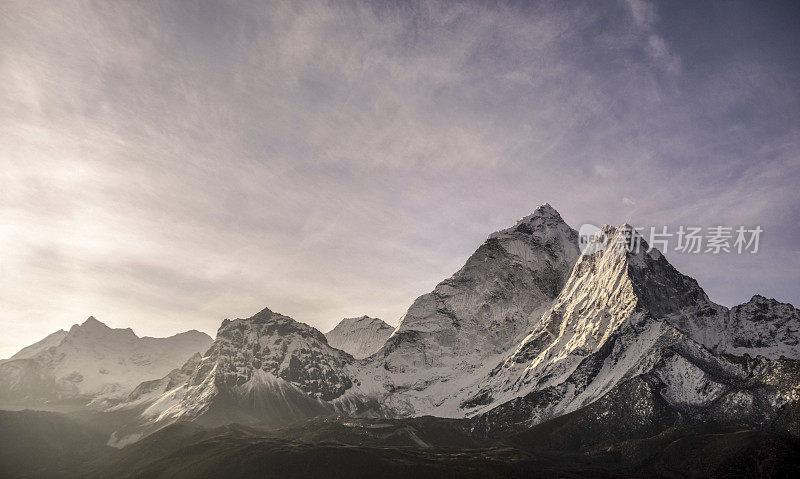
{"points": [[166, 165]]}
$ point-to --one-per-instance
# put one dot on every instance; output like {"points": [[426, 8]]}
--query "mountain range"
{"points": [[92, 363], [605, 351], [528, 330]]}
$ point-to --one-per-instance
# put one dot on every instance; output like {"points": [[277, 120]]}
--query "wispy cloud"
{"points": [[166, 165]]}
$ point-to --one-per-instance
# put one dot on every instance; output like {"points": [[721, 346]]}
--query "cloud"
{"points": [[643, 12], [661, 54], [645, 18]]}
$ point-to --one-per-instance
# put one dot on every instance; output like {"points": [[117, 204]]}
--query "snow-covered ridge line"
{"points": [[360, 337], [527, 330], [49, 341], [93, 362]]}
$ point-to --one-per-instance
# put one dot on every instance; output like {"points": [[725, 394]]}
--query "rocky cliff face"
{"points": [[283, 348], [267, 368], [761, 326]]}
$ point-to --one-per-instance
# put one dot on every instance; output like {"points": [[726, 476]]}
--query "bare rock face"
{"points": [[283, 348], [359, 337], [267, 368], [766, 327]]}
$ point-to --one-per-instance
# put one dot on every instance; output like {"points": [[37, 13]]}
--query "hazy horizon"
{"points": [[166, 166]]}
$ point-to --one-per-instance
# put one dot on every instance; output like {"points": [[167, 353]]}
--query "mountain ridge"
{"points": [[528, 330], [93, 363], [359, 337]]}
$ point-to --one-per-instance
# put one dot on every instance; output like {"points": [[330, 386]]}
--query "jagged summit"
{"points": [[93, 328], [283, 347], [543, 220], [541, 243], [659, 288], [361, 321], [759, 327], [607, 288], [759, 299], [272, 323], [91, 323], [543, 211], [265, 313]]}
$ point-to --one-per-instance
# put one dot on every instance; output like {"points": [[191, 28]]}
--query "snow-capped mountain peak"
{"points": [[448, 336], [93, 362], [544, 221], [93, 329], [623, 313], [541, 213], [526, 265], [360, 337], [267, 367], [93, 323], [283, 347]]}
